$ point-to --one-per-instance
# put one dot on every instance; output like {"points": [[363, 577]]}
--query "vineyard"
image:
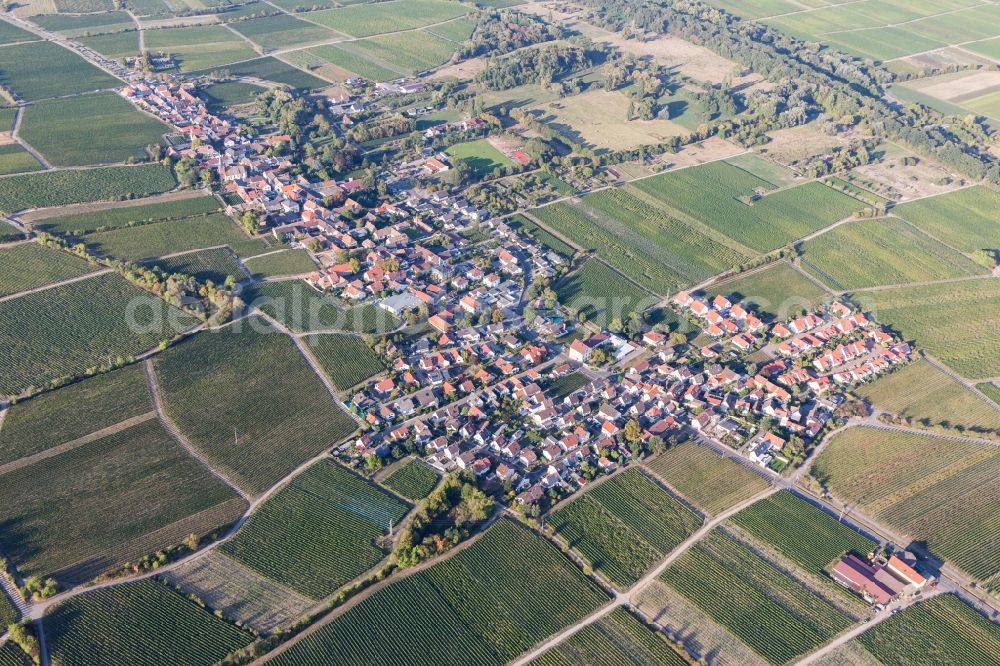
{"points": [[287, 262], [214, 265], [161, 238], [73, 411], [975, 206], [116, 499], [931, 398], [602, 294], [94, 328], [712, 194], [563, 386], [303, 309], [346, 358], [248, 400], [137, 623], [870, 253], [618, 639], [573, 223], [58, 188], [623, 525], [941, 492], [12, 655], [817, 538], [30, 265], [771, 612], [8, 614], [120, 216], [707, 479], [414, 480], [41, 69], [367, 19], [948, 320], [540, 235], [942, 630], [318, 532], [414, 52], [482, 607]]}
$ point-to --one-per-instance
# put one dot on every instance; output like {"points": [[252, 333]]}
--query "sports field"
{"points": [[480, 156]]}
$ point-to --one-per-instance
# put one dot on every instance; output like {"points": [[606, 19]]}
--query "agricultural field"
{"points": [[601, 294], [873, 253], [563, 386], [242, 595], [303, 309], [458, 30], [931, 398], [199, 47], [957, 323], [73, 411], [817, 540], [280, 417], [280, 264], [340, 62], [771, 612], [955, 94], [12, 655], [530, 229], [480, 156], [280, 31], [409, 52], [215, 265], [90, 129], [228, 93], [413, 480], [707, 479], [31, 265], [618, 638], [126, 215], [373, 19], [162, 627], [632, 259], [990, 390], [120, 497], [156, 240], [272, 69], [715, 195], [777, 174], [15, 159], [938, 491], [346, 359], [10, 33], [941, 630], [76, 25], [58, 188], [975, 206], [39, 70], [623, 525], [8, 614], [482, 607], [774, 292], [318, 532], [8, 233], [95, 328]]}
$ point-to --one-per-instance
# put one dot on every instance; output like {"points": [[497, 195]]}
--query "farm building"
{"points": [[877, 583]]}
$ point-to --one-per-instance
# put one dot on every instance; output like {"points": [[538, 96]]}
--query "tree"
{"points": [[657, 445], [373, 462], [633, 432]]}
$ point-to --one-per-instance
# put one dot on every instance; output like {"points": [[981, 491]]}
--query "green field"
{"points": [[72, 26], [346, 359], [15, 159], [777, 174], [58, 188], [278, 264], [707, 479], [228, 93], [125, 215], [565, 385], [30, 265], [162, 627], [53, 418], [92, 129], [777, 290], [413, 480], [411, 53], [94, 318], [281, 413], [942, 630], [39, 70], [480, 155], [272, 69], [930, 397], [303, 309], [990, 390], [817, 539], [940, 492], [9, 233], [12, 655], [344, 58], [457, 31], [619, 639], [601, 293], [318, 532], [156, 240], [207, 265], [8, 616], [373, 19], [623, 525], [200, 46], [119, 498], [539, 235], [280, 31], [482, 607], [774, 614], [958, 323], [975, 207], [711, 194], [872, 253], [10, 33]]}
